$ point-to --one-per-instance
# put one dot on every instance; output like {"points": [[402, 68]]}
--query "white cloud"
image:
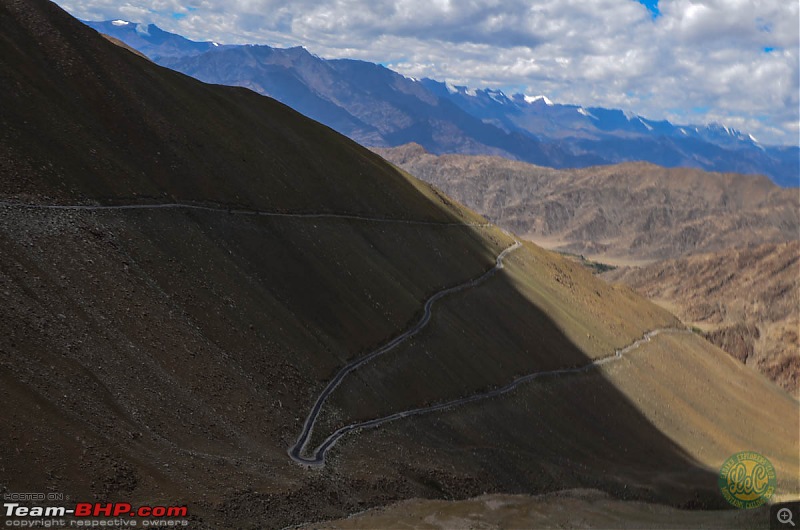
{"points": [[699, 60]]}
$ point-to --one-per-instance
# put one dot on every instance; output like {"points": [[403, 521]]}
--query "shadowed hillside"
{"points": [[84, 120], [184, 267], [744, 294]]}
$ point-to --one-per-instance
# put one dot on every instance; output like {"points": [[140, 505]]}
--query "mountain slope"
{"points": [[744, 294], [379, 107], [151, 40], [63, 132], [624, 212], [568, 509], [370, 103], [747, 300], [184, 267]]}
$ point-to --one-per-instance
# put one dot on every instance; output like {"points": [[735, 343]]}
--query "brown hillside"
{"points": [[639, 213], [565, 509], [746, 300], [625, 212], [121, 44]]}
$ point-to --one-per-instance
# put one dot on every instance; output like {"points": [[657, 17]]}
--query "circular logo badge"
{"points": [[747, 480]]}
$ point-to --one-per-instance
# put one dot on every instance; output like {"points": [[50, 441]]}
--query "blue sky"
{"points": [[689, 61], [652, 6]]}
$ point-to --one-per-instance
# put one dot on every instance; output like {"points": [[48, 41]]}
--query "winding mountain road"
{"points": [[233, 211], [317, 459], [308, 427]]}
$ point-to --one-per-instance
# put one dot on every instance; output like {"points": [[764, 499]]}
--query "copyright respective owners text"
{"points": [[58, 510]]}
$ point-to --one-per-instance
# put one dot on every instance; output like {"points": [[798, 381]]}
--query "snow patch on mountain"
{"points": [[703, 143], [534, 99], [498, 96]]}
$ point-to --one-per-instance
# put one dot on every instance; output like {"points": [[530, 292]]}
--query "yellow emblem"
{"points": [[747, 480]]}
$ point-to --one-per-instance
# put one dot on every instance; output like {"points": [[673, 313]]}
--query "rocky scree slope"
{"points": [[746, 301]]}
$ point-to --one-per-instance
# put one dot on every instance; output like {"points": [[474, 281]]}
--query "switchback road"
{"points": [[308, 427], [317, 458]]}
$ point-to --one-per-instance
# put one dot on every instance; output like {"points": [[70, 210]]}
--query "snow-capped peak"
{"points": [[460, 89], [215, 44], [120, 22], [715, 126], [534, 99], [756, 142], [497, 95], [720, 129], [586, 113]]}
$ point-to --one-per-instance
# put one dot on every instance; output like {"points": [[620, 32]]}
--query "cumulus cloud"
{"points": [[732, 61]]}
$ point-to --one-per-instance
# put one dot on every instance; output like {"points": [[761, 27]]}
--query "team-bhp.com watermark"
{"points": [[19, 513]]}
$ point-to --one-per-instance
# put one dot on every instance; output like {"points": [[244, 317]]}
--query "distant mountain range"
{"points": [[624, 213], [382, 108]]}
